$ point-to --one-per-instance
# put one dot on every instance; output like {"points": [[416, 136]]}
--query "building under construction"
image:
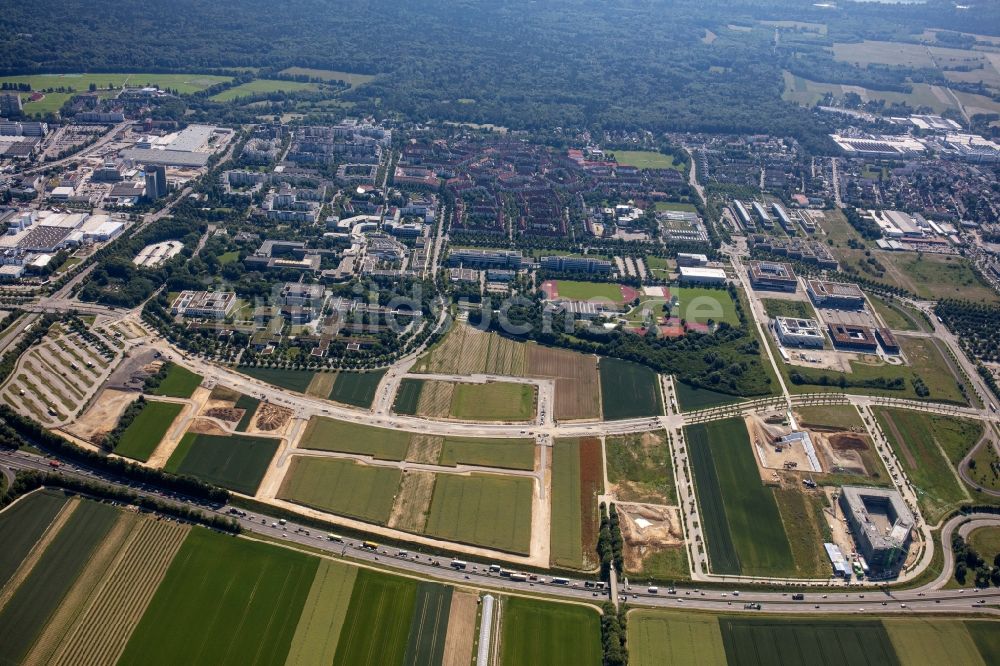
{"points": [[882, 526]]}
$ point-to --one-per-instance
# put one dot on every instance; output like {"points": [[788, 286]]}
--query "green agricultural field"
{"points": [[262, 87], [662, 638], [937, 276], [781, 307], [143, 435], [32, 604], [483, 510], [429, 626], [353, 80], [343, 487], [22, 525], [639, 467], [740, 515], [356, 388], [645, 159], [249, 404], [805, 525], [928, 446], [493, 401], [179, 383], [628, 390], [293, 380], [377, 625], [182, 83], [896, 317], [541, 632], [236, 462], [830, 416], [224, 601], [701, 304], [408, 397], [326, 434], [585, 291], [779, 641], [928, 641], [517, 453], [566, 531], [318, 632], [691, 398], [987, 639]]}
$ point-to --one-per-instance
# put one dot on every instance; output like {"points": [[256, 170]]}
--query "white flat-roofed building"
{"points": [[795, 332], [840, 295], [702, 275], [204, 304], [689, 259]]}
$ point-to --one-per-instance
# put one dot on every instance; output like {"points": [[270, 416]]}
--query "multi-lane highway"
{"points": [[930, 598]]}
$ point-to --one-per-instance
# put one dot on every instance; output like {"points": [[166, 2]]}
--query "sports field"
{"points": [[628, 390], [224, 601], [515, 453], [378, 619], [143, 435], [639, 468], [262, 87], [179, 383], [356, 388], [539, 632], [585, 291], [493, 401], [343, 487], [645, 159], [329, 435], [740, 515], [929, 446], [657, 638], [482, 509], [236, 462]]}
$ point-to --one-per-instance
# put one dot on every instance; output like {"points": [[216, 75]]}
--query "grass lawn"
{"points": [[183, 83], [28, 610], [935, 276], [343, 487], [408, 397], [662, 638], [628, 390], [295, 380], [542, 632], [639, 467], [692, 398], [664, 564], [378, 620], [585, 291], [21, 525], [645, 159], [143, 435], [921, 442], [830, 416], [482, 509], [740, 515], [330, 75], [565, 537], [785, 641], [701, 304], [515, 453], [986, 542], [224, 601], [493, 401], [356, 388], [318, 632], [780, 307], [895, 316], [262, 86], [329, 435], [179, 383], [236, 462]]}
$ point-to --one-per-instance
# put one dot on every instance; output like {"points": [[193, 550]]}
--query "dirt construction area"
{"points": [[647, 528], [765, 431], [270, 418], [102, 415]]}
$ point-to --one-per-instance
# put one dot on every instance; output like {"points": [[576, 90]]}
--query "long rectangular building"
{"points": [[838, 295], [773, 276]]}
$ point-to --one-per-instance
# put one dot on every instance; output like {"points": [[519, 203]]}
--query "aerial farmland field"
{"points": [[356, 388], [429, 626], [778, 641], [514, 453], [482, 509], [540, 632], [318, 632], [330, 435], [742, 524], [179, 383], [342, 487], [493, 401], [628, 390], [566, 548], [377, 624], [578, 383], [293, 380], [143, 435], [236, 462], [657, 638], [22, 525]]}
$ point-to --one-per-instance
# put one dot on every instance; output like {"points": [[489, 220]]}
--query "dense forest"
{"points": [[599, 64]]}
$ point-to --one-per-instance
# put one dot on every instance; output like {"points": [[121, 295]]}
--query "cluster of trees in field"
{"points": [[967, 561], [520, 64], [614, 630], [610, 542], [975, 324]]}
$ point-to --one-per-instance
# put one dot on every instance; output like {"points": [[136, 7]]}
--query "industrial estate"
{"points": [[291, 379]]}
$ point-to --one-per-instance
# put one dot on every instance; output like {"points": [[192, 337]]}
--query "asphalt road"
{"points": [[439, 568]]}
